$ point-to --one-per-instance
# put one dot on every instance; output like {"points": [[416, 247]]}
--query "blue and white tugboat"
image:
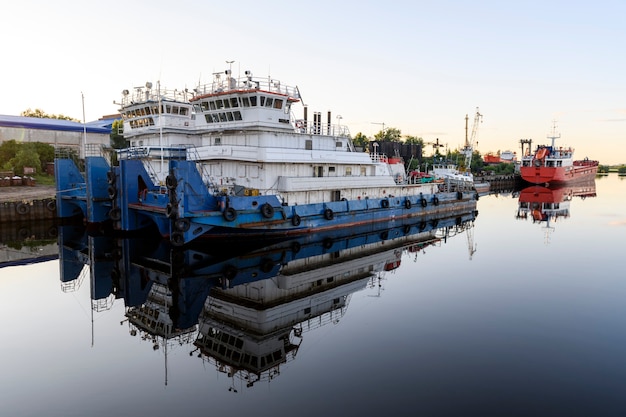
{"points": [[230, 159]]}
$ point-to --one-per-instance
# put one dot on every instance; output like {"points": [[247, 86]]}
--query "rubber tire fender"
{"points": [[230, 214]]}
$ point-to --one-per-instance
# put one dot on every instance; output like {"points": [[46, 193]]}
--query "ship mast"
{"points": [[554, 137]]}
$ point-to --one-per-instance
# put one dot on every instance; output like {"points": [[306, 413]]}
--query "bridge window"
{"points": [[234, 102], [278, 103], [253, 100], [245, 101]]}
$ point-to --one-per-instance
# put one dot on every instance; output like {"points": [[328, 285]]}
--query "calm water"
{"points": [[509, 317]]}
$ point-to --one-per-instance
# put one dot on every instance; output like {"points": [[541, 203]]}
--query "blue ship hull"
{"points": [[183, 209]]}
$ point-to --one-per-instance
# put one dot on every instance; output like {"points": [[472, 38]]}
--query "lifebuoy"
{"points": [[295, 220], [384, 203], [435, 201], [407, 204], [182, 225], [267, 210], [22, 208], [51, 205], [229, 214], [423, 202], [328, 214]]}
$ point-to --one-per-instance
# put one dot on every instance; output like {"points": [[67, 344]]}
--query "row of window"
{"points": [[154, 110], [147, 121], [222, 345], [318, 171], [246, 101], [223, 116]]}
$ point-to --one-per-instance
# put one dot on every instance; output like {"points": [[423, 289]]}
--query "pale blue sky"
{"points": [[417, 66]]}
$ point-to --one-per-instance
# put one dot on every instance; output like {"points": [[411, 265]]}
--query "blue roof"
{"points": [[98, 126]]}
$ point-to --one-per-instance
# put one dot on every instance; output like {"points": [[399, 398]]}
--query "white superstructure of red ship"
{"points": [[552, 164]]}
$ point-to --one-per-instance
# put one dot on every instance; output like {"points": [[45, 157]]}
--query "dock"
{"points": [[27, 203]]}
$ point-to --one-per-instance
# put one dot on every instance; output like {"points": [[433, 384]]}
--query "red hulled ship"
{"points": [[552, 164]]}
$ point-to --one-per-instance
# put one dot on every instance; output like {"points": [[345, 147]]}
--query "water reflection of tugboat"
{"points": [[246, 309], [543, 204], [249, 331]]}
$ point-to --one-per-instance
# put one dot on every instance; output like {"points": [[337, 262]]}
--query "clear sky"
{"points": [[418, 66]]}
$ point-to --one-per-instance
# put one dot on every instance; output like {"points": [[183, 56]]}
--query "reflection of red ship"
{"points": [[552, 165], [543, 204]]}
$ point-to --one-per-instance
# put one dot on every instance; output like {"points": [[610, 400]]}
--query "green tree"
{"points": [[390, 134], [117, 137], [46, 154], [43, 115], [414, 140], [361, 141], [26, 156], [8, 150]]}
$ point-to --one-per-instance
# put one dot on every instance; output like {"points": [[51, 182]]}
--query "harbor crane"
{"points": [[470, 141]]}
